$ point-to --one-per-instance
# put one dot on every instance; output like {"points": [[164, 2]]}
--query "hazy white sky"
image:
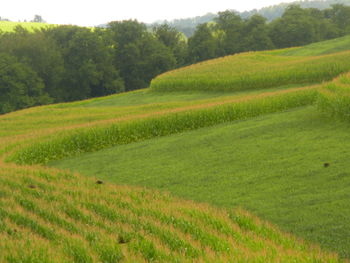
{"points": [[94, 12]]}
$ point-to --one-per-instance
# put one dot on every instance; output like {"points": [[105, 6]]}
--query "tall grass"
{"points": [[120, 224], [92, 139], [334, 98], [257, 70]]}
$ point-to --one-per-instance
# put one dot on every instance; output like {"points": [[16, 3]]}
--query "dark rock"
{"points": [[122, 240]]}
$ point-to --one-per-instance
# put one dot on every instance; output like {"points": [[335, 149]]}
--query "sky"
{"points": [[96, 12]]}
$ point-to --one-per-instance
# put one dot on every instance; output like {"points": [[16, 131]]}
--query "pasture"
{"points": [[272, 165]]}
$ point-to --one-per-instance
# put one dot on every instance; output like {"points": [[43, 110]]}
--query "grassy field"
{"points": [[319, 48], [160, 124], [6, 26], [272, 165], [54, 216], [212, 145], [44, 213]]}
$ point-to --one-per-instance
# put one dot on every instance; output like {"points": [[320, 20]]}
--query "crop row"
{"points": [[96, 138], [47, 216], [334, 98], [253, 71]]}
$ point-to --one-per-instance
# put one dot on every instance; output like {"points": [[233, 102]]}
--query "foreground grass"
{"points": [[50, 216], [272, 165]]}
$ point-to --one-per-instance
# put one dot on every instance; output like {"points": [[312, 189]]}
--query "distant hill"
{"points": [[275, 11], [8, 26], [188, 25]]}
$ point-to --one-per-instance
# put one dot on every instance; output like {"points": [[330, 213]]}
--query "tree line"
{"points": [[188, 25], [230, 34], [67, 63]]}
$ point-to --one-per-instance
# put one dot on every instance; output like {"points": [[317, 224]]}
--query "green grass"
{"points": [[319, 48], [51, 216], [112, 108], [206, 142], [92, 139], [147, 96], [334, 99], [272, 165]]}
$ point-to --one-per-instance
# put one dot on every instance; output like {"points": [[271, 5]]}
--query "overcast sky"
{"points": [[95, 12]]}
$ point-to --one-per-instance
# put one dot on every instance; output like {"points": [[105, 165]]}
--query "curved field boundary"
{"points": [[160, 124], [255, 70], [48, 216], [334, 98]]}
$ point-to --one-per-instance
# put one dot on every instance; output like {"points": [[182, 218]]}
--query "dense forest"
{"points": [[188, 25], [67, 63]]}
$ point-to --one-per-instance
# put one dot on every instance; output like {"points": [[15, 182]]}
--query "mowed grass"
{"points": [[145, 96], [6, 26], [158, 124], [70, 115], [319, 48], [289, 168]]}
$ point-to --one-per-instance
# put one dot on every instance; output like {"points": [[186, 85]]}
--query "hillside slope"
{"points": [[272, 165], [55, 216], [319, 48], [255, 70], [50, 215]]}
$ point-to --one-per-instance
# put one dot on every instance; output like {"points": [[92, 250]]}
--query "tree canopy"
{"points": [[20, 86]]}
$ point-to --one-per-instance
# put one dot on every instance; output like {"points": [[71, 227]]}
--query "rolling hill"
{"points": [[258, 70], [240, 131]]}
